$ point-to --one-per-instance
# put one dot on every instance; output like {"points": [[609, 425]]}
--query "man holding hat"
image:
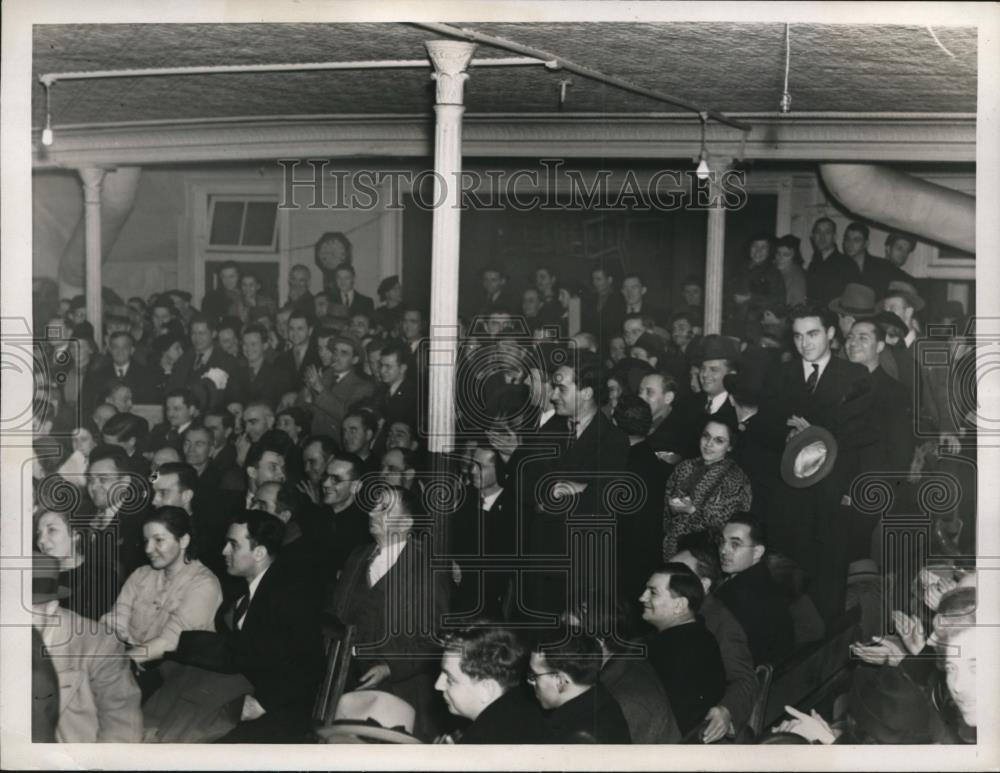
{"points": [[98, 696], [331, 403]]}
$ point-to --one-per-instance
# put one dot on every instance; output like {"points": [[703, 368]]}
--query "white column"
{"points": [[715, 244], [92, 178], [450, 58]]}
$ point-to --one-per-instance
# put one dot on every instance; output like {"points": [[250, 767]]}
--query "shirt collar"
{"points": [[256, 581], [718, 401], [490, 499], [807, 368], [582, 424], [911, 336]]}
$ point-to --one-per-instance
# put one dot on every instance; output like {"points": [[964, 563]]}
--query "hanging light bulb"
{"points": [[702, 172], [47, 131]]}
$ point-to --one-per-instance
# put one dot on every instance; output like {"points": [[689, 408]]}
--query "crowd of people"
{"points": [[286, 487]]}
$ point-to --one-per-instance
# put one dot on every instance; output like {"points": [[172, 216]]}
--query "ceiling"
{"points": [[729, 67]]}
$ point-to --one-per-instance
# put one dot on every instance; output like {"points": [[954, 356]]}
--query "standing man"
{"points": [[224, 300], [604, 313], [203, 356], [301, 353], [828, 271], [353, 301], [634, 293], [866, 269], [299, 296], [833, 393], [124, 369], [496, 297], [332, 399], [260, 380]]}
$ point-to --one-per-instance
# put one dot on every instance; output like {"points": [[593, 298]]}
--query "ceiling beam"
{"points": [[922, 138]]}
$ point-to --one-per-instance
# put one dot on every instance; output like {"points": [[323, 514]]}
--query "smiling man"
{"points": [[482, 680]]}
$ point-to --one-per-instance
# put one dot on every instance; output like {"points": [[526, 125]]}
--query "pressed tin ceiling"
{"points": [[730, 67]]}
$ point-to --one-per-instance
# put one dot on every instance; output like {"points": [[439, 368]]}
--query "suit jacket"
{"points": [[634, 684], [360, 304], [877, 273], [513, 718], [401, 406], [268, 384], [741, 682], [594, 714], [647, 309], [604, 322], [185, 374], [137, 378], [687, 660], [762, 610], [826, 278], [410, 601], [285, 363], [279, 649], [640, 535], [333, 403], [675, 434], [98, 696], [893, 412]]}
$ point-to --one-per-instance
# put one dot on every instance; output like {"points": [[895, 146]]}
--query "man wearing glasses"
{"points": [[578, 708], [347, 526], [750, 593]]}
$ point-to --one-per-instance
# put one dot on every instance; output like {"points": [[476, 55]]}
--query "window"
{"points": [[245, 223]]}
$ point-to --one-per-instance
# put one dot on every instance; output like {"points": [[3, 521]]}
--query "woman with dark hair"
{"points": [[702, 493], [389, 315], [174, 593], [91, 578], [788, 260], [757, 286], [165, 351], [79, 388]]}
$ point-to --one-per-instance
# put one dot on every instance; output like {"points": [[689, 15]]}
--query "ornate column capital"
{"points": [[450, 58]]}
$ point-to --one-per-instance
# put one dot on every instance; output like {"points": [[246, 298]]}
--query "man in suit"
{"points": [[592, 453], [302, 352], [179, 410], [752, 596], [203, 356], [603, 315], [399, 385], [892, 409], [260, 380], [482, 680], [222, 425], [225, 298], [123, 368], [347, 296], [683, 652], [129, 432], [866, 269], [819, 389], [271, 634], [718, 357], [634, 293], [829, 270], [332, 399], [729, 716], [578, 707], [340, 525], [119, 498], [299, 295], [389, 587], [670, 437], [495, 295]]}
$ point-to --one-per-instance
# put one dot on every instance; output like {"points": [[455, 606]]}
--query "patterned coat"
{"points": [[717, 491]]}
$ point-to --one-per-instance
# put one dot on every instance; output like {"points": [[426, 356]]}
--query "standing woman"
{"points": [[389, 315], [702, 493], [174, 593]]}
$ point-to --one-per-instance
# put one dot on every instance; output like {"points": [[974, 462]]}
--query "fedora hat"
{"points": [[886, 704], [808, 457], [45, 585], [371, 716], [857, 300], [905, 290], [718, 347]]}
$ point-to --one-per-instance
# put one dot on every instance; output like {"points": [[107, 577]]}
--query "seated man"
{"points": [[578, 707], [482, 679], [751, 595], [389, 592], [683, 652], [271, 635], [700, 553], [98, 696]]}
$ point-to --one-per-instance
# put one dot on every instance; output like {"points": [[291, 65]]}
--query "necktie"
{"points": [[571, 433], [241, 609], [120, 371], [708, 406], [346, 299], [813, 379], [199, 362]]}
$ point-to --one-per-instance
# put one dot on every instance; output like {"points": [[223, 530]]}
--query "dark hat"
{"points": [[45, 584], [888, 707], [633, 415], [350, 341], [808, 457], [652, 344], [906, 290], [717, 347], [887, 319], [789, 240], [743, 386], [630, 372], [857, 300]]}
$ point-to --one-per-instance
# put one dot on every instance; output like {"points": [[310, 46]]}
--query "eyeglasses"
{"points": [[532, 677]]}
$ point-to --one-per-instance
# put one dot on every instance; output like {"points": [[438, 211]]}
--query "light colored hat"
{"points": [[371, 716]]}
